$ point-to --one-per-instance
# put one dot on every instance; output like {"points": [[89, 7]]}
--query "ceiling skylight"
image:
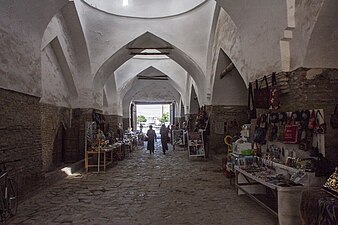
{"points": [[145, 8]]}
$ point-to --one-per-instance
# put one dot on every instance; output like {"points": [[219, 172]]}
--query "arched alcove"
{"points": [[143, 42], [194, 103], [182, 109], [154, 91], [229, 87]]}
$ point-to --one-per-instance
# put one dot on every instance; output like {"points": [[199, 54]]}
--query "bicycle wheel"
{"points": [[12, 194], [2, 206]]}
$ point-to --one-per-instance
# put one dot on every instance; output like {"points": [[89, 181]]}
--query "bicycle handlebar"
{"points": [[11, 161]]}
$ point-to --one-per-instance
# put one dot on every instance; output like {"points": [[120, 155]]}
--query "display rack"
{"points": [[196, 144], [104, 157], [177, 138], [99, 152]]}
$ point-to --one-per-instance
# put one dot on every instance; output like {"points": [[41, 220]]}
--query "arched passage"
{"points": [[152, 72], [148, 41]]}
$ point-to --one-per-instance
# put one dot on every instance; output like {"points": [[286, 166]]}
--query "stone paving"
{"points": [[145, 189]]}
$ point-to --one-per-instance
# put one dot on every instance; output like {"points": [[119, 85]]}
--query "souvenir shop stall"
{"points": [[197, 138], [130, 141], [98, 151], [279, 155], [196, 144], [177, 138], [104, 149]]}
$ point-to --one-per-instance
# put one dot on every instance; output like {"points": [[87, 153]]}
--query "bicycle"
{"points": [[8, 193]]}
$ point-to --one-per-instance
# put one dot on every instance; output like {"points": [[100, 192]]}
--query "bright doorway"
{"points": [[152, 114]]}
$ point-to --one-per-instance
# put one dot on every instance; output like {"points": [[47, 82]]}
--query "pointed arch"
{"points": [[229, 87], [228, 39], [155, 91], [150, 70], [194, 103], [151, 41]]}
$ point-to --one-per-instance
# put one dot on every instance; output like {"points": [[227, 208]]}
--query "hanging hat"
{"points": [[305, 116], [282, 116], [274, 118], [296, 116]]}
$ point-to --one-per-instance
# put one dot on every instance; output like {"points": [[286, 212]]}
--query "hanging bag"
{"points": [[320, 125], [274, 100], [252, 113], [291, 132], [282, 118], [305, 139], [312, 120], [261, 95], [260, 131], [334, 118]]}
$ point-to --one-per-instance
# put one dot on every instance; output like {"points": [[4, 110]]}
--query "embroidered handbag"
{"points": [[261, 95], [331, 184], [312, 120], [320, 126], [334, 118], [291, 134]]}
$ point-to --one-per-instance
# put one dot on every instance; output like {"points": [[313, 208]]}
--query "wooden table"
{"points": [[105, 152]]}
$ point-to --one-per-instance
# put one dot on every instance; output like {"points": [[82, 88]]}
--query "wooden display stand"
{"points": [[196, 144], [177, 138], [104, 156], [101, 155]]}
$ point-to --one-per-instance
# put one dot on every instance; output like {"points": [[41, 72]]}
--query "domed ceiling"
{"points": [[145, 8]]}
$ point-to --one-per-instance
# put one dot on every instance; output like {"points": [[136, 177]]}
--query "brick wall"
{"points": [[125, 122], [80, 117], [112, 122], [312, 89], [52, 117], [316, 88], [20, 138], [220, 114]]}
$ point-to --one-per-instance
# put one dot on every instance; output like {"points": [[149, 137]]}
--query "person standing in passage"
{"points": [[164, 138], [119, 133], [151, 139], [169, 134]]}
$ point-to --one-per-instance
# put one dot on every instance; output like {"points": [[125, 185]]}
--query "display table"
{"points": [[104, 156], [286, 198]]}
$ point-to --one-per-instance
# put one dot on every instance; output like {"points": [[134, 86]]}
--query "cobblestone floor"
{"points": [[145, 189]]}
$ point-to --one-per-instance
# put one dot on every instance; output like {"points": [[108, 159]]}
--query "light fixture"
{"points": [[125, 2]]}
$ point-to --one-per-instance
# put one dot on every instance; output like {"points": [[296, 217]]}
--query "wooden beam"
{"points": [[149, 53], [230, 67], [130, 48]]}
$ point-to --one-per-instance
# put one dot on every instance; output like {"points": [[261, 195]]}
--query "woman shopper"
{"points": [[164, 138], [151, 135]]}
